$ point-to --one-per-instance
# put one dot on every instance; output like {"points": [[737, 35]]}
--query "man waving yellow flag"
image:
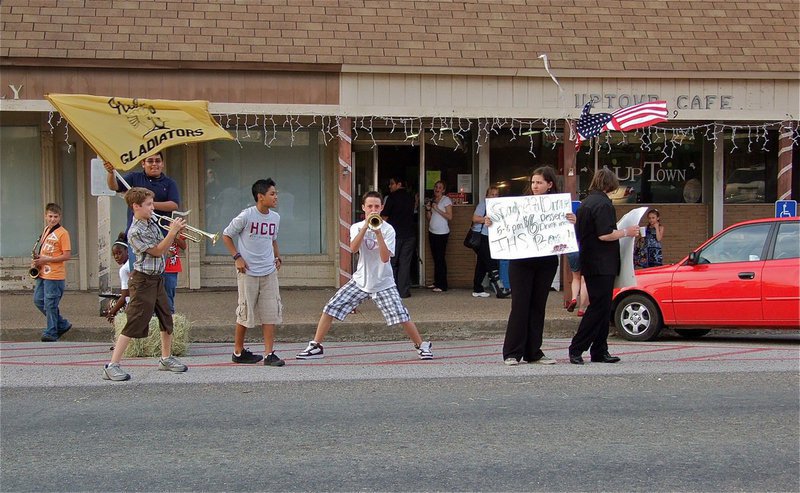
{"points": [[123, 131]]}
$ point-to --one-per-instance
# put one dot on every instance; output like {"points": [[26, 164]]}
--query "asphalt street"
{"points": [[714, 415]]}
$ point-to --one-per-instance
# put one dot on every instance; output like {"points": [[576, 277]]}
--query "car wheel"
{"points": [[692, 333], [637, 318]]}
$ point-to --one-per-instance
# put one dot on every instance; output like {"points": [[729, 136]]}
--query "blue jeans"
{"points": [[170, 283], [46, 296], [504, 277]]}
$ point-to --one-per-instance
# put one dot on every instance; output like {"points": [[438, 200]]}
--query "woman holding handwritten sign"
{"points": [[530, 282]]}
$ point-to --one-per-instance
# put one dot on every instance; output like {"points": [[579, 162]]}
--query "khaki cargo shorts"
{"points": [[259, 300]]}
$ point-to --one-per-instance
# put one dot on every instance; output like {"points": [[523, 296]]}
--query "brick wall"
{"points": [[583, 35]]}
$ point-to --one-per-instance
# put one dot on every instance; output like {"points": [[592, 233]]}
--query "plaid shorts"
{"points": [[350, 296]]}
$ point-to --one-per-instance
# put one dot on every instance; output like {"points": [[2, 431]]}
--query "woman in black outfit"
{"points": [[599, 250], [531, 279]]}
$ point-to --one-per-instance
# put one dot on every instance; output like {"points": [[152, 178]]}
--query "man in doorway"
{"points": [[399, 212]]}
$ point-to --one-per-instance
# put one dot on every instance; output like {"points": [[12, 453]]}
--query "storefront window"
{"points": [[21, 211], [297, 168], [750, 177], [449, 158], [665, 173], [511, 161]]}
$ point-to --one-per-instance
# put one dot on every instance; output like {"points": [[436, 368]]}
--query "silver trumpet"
{"points": [[374, 221], [189, 232]]}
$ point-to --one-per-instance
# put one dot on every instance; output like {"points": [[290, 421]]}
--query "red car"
{"points": [[747, 275]]}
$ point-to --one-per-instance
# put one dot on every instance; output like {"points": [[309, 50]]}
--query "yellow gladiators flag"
{"points": [[123, 131]]}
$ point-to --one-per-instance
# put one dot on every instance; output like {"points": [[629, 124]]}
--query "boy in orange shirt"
{"points": [[49, 255]]}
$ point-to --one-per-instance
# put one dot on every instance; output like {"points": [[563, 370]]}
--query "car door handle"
{"points": [[747, 275]]}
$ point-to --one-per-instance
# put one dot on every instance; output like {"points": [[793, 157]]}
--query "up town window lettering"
{"points": [[613, 101]]}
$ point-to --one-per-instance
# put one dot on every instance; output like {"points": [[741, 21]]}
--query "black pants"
{"points": [[483, 265], [438, 248], [531, 279], [401, 264], [593, 329]]}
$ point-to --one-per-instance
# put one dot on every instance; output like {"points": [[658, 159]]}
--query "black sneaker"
{"points": [[247, 358], [273, 360]]}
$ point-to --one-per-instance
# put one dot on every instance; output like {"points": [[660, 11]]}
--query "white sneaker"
{"points": [[112, 371], [482, 294], [312, 351], [171, 364], [544, 360], [511, 362], [424, 350]]}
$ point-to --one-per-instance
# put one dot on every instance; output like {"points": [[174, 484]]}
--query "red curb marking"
{"points": [[656, 350], [17, 356], [719, 355], [51, 347]]}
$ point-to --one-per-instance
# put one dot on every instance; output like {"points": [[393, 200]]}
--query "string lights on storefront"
{"points": [[448, 130]]}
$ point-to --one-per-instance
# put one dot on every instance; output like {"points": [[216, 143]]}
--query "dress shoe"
{"points": [[575, 359], [606, 358]]}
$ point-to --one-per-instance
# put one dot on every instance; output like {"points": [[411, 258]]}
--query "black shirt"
{"points": [[399, 211], [597, 217]]}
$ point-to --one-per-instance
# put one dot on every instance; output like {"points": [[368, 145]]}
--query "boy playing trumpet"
{"points": [[372, 279], [146, 285]]}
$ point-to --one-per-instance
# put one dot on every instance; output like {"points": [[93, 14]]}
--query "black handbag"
{"points": [[473, 239]]}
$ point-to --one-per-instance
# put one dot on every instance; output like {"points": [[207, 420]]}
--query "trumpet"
{"points": [[189, 232], [33, 272], [374, 221]]}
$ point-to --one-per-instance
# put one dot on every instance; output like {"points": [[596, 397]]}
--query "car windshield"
{"points": [[742, 244]]}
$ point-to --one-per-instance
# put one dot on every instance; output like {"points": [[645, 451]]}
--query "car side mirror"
{"points": [[693, 258]]}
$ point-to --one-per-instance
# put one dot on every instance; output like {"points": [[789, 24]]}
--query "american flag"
{"points": [[624, 119]]}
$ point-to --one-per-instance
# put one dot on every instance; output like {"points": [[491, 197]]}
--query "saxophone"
{"points": [[33, 272]]}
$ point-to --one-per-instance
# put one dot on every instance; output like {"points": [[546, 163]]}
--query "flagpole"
{"points": [[121, 179]]}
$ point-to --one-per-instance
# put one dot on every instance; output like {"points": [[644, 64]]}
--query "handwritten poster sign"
{"points": [[530, 226]]}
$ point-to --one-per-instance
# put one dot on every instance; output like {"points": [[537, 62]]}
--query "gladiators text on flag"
{"points": [[123, 131]]}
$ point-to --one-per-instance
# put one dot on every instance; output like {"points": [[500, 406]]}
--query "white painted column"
{"points": [[717, 201]]}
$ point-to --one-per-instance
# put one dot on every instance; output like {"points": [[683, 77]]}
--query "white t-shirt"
{"points": [[439, 225], [373, 275], [124, 275], [255, 232]]}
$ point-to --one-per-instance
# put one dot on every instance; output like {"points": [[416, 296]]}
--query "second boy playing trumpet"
{"points": [[372, 279]]}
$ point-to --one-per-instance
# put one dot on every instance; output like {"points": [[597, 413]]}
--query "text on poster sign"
{"points": [[530, 226]]}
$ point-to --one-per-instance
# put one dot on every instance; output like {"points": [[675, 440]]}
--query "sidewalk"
{"points": [[453, 315]]}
